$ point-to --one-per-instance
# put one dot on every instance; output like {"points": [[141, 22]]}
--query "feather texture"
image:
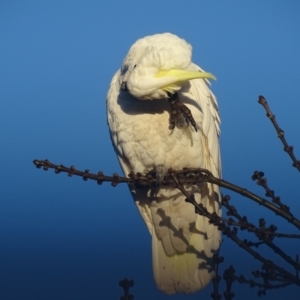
{"points": [[182, 242]]}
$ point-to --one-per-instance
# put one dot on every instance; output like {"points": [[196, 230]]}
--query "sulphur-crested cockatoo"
{"points": [[138, 116]]}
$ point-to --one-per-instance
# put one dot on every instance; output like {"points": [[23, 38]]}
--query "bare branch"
{"points": [[260, 180], [186, 176], [264, 234], [286, 257], [217, 260], [262, 286], [232, 233], [280, 132], [243, 223], [229, 278], [126, 285]]}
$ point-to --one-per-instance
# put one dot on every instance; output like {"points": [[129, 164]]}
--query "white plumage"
{"points": [[138, 117]]}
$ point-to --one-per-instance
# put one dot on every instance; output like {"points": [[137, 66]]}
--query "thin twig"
{"points": [[262, 286], [217, 260], [245, 225], [262, 181], [280, 132], [286, 257], [126, 285], [229, 278], [265, 234]]}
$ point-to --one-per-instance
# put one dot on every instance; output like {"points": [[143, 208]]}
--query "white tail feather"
{"points": [[183, 242]]}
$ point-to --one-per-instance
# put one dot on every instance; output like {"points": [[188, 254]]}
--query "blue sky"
{"points": [[62, 238]]}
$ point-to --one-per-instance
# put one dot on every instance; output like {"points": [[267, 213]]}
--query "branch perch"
{"points": [[186, 176]]}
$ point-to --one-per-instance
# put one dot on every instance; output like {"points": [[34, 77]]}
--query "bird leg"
{"points": [[178, 109]]}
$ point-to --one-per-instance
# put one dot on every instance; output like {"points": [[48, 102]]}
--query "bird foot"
{"points": [[158, 173], [177, 110]]}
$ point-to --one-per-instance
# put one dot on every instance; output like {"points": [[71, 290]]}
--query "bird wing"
{"points": [[209, 132], [200, 92], [115, 125]]}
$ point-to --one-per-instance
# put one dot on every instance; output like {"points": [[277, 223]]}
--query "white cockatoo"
{"points": [[138, 110]]}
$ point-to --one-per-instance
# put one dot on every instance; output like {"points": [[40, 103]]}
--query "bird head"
{"points": [[157, 65]]}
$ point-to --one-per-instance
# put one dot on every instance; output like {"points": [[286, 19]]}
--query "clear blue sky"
{"points": [[62, 238]]}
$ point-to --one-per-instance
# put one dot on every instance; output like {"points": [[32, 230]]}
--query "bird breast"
{"points": [[146, 140]]}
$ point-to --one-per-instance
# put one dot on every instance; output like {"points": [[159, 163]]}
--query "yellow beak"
{"points": [[183, 75]]}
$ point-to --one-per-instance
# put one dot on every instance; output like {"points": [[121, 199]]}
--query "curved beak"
{"points": [[184, 75]]}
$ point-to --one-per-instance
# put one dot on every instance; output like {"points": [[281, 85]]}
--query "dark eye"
{"points": [[134, 66], [124, 69]]}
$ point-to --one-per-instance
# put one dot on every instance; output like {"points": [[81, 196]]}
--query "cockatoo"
{"points": [[155, 68]]}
